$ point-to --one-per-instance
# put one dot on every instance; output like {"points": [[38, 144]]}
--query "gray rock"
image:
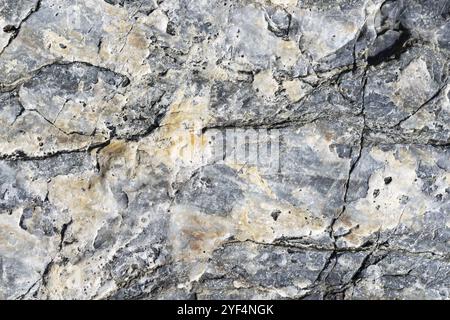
{"points": [[205, 149]]}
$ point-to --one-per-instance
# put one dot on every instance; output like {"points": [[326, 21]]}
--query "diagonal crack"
{"points": [[36, 8], [431, 99]]}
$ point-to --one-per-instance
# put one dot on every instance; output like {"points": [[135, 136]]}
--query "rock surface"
{"points": [[270, 149]]}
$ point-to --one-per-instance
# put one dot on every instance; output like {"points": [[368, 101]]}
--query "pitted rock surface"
{"points": [[126, 167]]}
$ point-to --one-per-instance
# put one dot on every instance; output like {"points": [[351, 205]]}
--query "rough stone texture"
{"points": [[110, 112]]}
